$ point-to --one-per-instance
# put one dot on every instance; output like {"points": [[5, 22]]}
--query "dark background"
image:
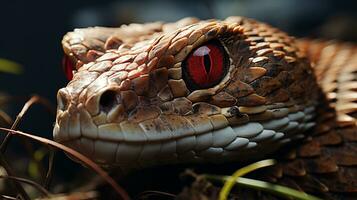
{"points": [[31, 33]]}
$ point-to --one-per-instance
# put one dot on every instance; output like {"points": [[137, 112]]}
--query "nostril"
{"points": [[62, 99], [108, 100]]}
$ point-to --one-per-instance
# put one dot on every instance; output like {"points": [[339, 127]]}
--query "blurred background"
{"points": [[31, 33]]}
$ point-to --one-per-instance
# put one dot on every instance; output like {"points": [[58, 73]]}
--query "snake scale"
{"points": [[213, 91]]}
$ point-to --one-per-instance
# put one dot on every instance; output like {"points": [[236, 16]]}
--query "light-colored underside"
{"points": [[209, 139]]}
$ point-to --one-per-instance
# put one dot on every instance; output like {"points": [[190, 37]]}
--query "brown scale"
{"points": [[143, 63]]}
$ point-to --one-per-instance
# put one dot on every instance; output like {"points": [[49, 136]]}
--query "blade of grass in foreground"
{"points": [[278, 190], [240, 172], [9, 66]]}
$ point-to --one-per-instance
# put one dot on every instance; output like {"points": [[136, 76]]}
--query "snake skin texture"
{"points": [[130, 106], [325, 163]]}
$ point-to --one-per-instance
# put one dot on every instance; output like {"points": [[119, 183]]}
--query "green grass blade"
{"points": [[278, 190], [228, 185], [9, 66]]}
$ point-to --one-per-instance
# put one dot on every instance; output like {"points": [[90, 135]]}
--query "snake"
{"points": [[213, 91]]}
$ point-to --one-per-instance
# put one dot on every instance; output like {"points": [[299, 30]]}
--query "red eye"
{"points": [[68, 67], [205, 66]]}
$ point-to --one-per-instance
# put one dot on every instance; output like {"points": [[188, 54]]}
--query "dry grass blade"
{"points": [[34, 99], [78, 156], [34, 184]]}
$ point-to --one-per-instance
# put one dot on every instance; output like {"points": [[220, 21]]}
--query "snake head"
{"points": [[189, 91]]}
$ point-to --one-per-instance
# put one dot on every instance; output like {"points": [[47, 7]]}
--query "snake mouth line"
{"points": [[201, 140]]}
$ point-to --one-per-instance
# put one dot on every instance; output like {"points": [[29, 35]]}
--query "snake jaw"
{"points": [[131, 106], [170, 138]]}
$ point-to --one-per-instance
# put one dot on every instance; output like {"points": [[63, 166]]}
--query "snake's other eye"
{"points": [[68, 67], [205, 66]]}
